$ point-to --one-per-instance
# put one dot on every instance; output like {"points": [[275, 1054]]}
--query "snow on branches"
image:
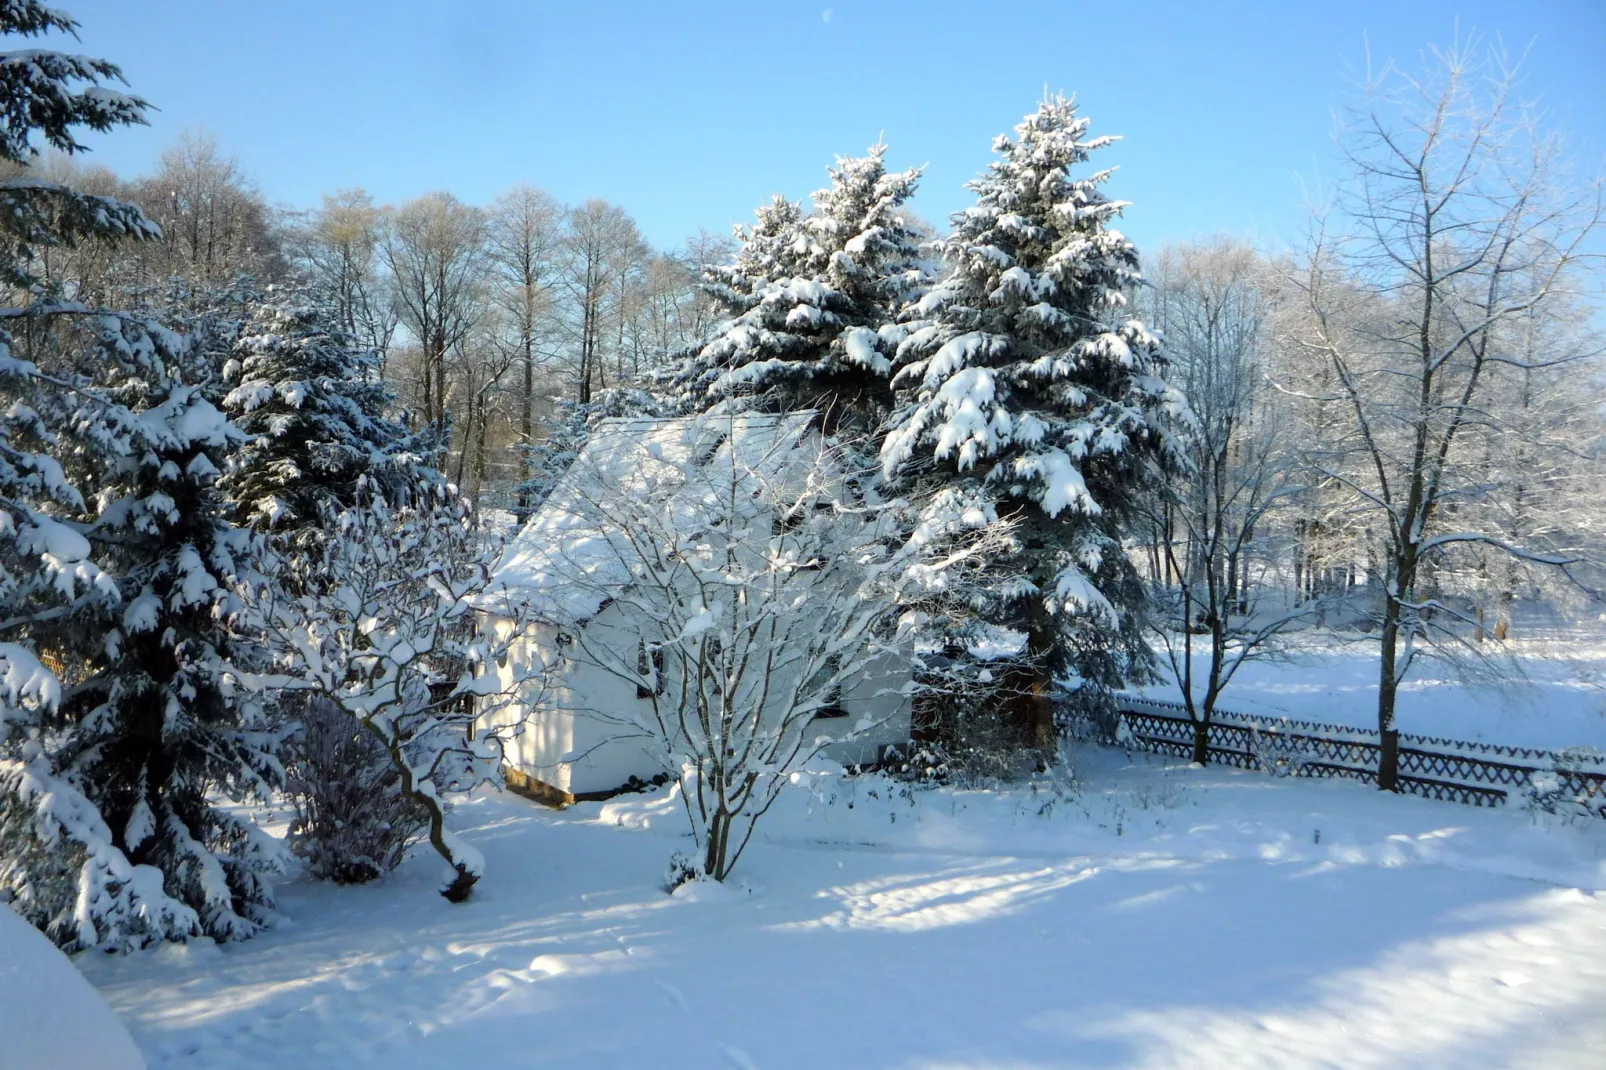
{"points": [[384, 626], [736, 573], [1021, 375], [812, 300]]}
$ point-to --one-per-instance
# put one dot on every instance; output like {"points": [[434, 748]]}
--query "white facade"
{"points": [[570, 736], [578, 731]]}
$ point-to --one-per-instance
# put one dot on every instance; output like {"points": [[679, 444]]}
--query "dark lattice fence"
{"points": [[1477, 774]]}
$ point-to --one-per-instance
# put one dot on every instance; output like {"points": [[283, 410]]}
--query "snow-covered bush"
{"points": [[382, 625], [351, 823], [967, 744], [1557, 790], [1281, 753]]}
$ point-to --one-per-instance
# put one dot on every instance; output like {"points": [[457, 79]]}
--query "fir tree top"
{"points": [[311, 398], [1022, 364], [812, 300]]}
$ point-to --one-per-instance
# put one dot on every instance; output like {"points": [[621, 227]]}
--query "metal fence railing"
{"points": [[1477, 774]]}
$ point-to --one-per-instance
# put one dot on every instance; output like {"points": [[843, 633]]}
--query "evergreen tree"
{"points": [[49, 97], [1024, 384], [116, 719], [156, 725], [812, 302], [313, 403]]}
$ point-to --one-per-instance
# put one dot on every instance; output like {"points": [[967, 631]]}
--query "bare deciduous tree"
{"points": [[339, 246], [214, 222], [435, 249], [1214, 587], [1456, 225], [525, 240], [601, 247]]}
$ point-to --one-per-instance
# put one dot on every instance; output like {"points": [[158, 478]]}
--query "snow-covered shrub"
{"points": [[1554, 791], [752, 580], [351, 823], [380, 621], [682, 869], [968, 744], [1281, 753]]}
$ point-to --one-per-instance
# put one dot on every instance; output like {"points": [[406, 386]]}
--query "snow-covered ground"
{"points": [[50, 1018], [1547, 690], [1160, 917]]}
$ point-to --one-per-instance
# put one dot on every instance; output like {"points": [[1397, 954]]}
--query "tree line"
{"points": [[482, 316]]}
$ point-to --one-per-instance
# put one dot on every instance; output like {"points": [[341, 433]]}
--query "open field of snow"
{"points": [[1160, 917], [1546, 690]]}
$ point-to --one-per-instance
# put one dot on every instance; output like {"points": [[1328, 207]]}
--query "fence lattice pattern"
{"points": [[1476, 774]]}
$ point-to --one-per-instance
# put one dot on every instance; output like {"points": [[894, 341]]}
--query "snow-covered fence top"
{"points": [[1478, 774]]}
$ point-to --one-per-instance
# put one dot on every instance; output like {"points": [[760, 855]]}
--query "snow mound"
{"points": [[50, 1017]]}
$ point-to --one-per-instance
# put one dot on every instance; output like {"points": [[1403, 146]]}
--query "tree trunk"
{"points": [[714, 854], [463, 880], [481, 448], [1201, 741], [1388, 762]]}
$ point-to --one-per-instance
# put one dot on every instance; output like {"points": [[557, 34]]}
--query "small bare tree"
{"points": [[754, 586], [1211, 306], [1456, 224], [385, 631]]}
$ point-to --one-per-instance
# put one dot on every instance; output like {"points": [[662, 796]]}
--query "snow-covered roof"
{"points": [[563, 558]]}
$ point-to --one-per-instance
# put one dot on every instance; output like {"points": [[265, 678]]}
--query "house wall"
{"points": [[875, 696], [561, 731], [571, 732]]}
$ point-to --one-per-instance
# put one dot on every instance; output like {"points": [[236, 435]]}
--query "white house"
{"points": [[577, 733]]}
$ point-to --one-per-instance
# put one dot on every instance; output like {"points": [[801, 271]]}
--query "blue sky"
{"points": [[690, 114]]}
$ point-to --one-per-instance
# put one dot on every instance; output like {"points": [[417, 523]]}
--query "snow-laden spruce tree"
{"points": [[310, 397], [766, 250], [1024, 383], [812, 302], [118, 728], [163, 731], [111, 829]]}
